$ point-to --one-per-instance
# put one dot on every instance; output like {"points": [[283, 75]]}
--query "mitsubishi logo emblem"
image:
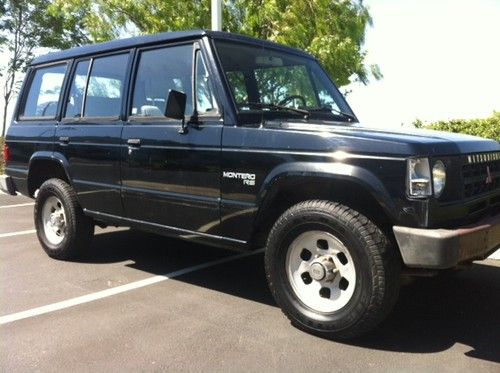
{"points": [[489, 179]]}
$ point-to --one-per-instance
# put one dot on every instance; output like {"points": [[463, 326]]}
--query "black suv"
{"points": [[241, 143]]}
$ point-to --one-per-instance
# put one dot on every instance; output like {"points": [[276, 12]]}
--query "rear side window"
{"points": [[44, 92], [105, 86], [74, 106], [98, 94], [159, 71]]}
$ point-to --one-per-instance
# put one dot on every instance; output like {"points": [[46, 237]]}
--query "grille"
{"points": [[481, 173]]}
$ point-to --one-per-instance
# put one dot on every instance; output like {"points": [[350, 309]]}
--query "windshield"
{"points": [[267, 80]]}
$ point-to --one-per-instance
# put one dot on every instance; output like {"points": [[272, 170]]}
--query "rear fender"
{"points": [[55, 157]]}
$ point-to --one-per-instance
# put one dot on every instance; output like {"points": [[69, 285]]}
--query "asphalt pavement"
{"points": [[140, 302]]}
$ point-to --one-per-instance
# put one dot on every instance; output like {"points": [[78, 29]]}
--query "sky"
{"points": [[440, 60]]}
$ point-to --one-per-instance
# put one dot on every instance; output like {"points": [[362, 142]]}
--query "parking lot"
{"points": [[137, 301]]}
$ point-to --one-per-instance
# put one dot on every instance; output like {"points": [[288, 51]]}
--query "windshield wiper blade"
{"points": [[351, 118], [261, 105]]}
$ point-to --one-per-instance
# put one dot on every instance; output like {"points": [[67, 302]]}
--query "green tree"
{"points": [[331, 30], [24, 27]]}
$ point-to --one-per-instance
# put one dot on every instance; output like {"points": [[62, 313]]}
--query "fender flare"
{"points": [[364, 178], [57, 157]]}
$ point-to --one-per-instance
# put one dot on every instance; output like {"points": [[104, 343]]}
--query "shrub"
{"points": [[487, 127]]}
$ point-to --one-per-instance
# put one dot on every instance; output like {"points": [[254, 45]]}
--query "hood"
{"points": [[407, 142]]}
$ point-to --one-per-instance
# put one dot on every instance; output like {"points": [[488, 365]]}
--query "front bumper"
{"points": [[7, 185], [445, 248]]}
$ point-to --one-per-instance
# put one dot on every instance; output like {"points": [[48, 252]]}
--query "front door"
{"points": [[171, 178]]}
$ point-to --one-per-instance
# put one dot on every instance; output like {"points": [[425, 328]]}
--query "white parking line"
{"points": [[18, 233], [117, 290], [18, 205]]}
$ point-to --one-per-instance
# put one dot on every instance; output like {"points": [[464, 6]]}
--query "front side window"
{"points": [[205, 101], [44, 92], [267, 80], [159, 71]]}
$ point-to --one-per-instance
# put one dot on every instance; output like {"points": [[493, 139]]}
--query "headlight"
{"points": [[419, 177], [438, 178]]}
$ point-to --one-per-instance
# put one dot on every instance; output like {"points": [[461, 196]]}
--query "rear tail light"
{"points": [[6, 153]]}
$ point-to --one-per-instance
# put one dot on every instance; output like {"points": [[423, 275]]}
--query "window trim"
{"points": [[27, 87]]}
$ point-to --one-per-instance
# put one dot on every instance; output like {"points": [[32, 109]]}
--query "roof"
{"points": [[137, 41]]}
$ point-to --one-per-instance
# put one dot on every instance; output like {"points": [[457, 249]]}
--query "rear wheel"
{"points": [[62, 228], [331, 270]]}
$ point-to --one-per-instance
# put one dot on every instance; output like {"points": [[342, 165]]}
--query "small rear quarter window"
{"points": [[44, 92]]}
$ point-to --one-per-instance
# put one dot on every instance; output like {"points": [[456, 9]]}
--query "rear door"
{"points": [[171, 178], [89, 134]]}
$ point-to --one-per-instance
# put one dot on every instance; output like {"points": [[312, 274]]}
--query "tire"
{"points": [[61, 226], [361, 269]]}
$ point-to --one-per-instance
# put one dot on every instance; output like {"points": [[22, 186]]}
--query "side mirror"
{"points": [[176, 105]]}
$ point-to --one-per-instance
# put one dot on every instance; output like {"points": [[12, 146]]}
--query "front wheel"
{"points": [[331, 270], [61, 226]]}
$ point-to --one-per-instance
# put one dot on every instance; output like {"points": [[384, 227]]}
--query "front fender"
{"points": [[364, 178]]}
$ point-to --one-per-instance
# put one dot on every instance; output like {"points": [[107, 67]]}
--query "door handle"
{"points": [[134, 142], [64, 139]]}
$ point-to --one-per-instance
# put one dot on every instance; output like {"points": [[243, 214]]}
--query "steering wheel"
{"points": [[287, 99]]}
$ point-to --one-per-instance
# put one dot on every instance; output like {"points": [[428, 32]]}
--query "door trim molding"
{"points": [[178, 231]]}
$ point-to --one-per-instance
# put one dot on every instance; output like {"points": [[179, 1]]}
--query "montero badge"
{"points": [[248, 179]]}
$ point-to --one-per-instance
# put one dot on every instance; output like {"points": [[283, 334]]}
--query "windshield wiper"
{"points": [[349, 117], [261, 105]]}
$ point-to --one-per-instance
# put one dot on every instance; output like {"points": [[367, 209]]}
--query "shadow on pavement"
{"points": [[431, 314], [435, 313]]}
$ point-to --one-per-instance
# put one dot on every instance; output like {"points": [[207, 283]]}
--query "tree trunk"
{"points": [[4, 121]]}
